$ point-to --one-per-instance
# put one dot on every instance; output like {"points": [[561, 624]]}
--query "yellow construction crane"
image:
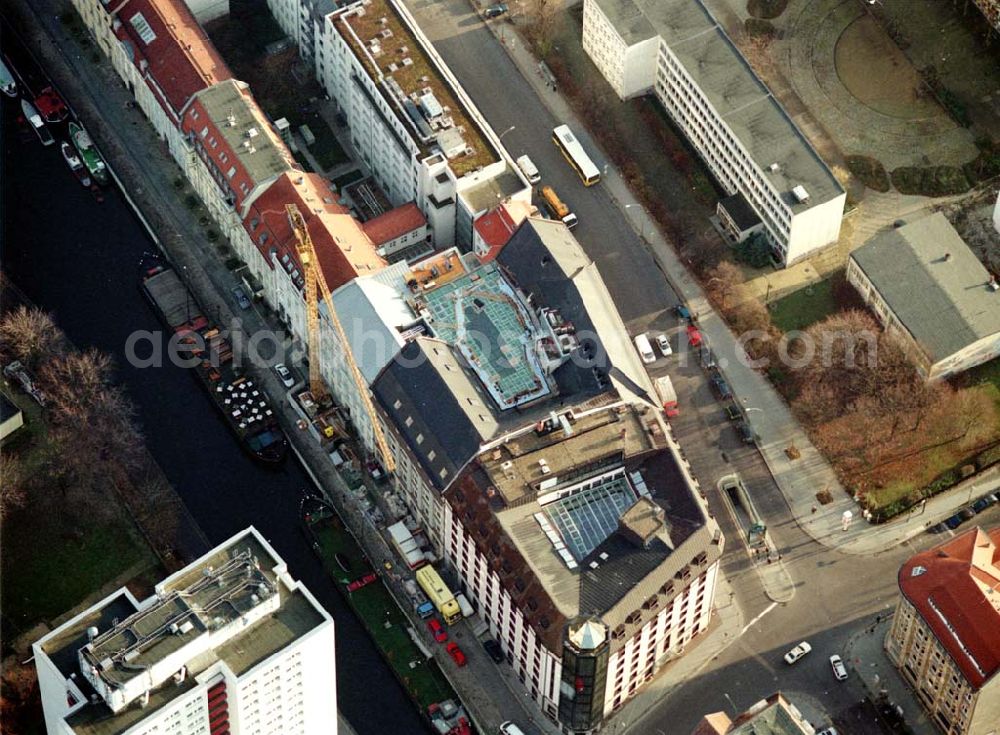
{"points": [[315, 285]]}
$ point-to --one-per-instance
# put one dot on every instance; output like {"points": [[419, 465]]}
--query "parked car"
{"points": [[982, 504], [954, 522], [967, 513], [495, 11], [798, 652], [828, 731], [362, 582], [733, 412], [694, 336], [493, 649], [436, 629], [644, 349], [839, 670], [285, 374], [683, 312], [721, 387], [241, 298], [663, 342], [456, 653], [745, 433]]}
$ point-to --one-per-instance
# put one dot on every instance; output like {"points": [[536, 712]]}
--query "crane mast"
{"points": [[315, 285]]}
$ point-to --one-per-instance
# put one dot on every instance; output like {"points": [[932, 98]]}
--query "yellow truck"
{"points": [[557, 206]]}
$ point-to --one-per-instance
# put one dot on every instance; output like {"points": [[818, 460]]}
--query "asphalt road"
{"points": [[506, 99], [836, 595]]}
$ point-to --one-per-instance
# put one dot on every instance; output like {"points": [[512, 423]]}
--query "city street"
{"points": [[776, 615], [854, 588]]}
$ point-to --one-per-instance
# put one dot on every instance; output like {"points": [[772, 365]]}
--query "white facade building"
{"points": [[676, 50], [451, 424], [410, 120], [229, 644]]}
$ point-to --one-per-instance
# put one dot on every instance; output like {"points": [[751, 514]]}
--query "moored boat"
{"points": [[75, 164], [243, 404], [37, 124], [7, 83], [51, 106], [88, 152]]}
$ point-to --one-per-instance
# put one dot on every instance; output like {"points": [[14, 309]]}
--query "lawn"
{"points": [[385, 622], [804, 307], [52, 562]]}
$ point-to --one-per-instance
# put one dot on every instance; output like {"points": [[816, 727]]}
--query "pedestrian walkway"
{"points": [[865, 657], [837, 524]]}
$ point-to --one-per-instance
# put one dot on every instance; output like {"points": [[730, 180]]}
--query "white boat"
{"points": [[75, 164], [37, 124], [7, 83]]}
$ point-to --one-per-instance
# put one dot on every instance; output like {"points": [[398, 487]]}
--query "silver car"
{"points": [[839, 670]]}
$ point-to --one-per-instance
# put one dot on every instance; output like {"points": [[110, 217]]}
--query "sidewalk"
{"points": [[799, 480], [865, 656]]}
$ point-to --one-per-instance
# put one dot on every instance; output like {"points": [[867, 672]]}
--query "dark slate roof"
{"points": [[435, 406], [740, 211], [944, 303], [7, 408], [543, 259]]}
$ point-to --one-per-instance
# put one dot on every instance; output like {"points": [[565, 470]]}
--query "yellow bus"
{"points": [[573, 152], [439, 594]]}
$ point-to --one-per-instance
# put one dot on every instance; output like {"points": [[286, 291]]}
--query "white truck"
{"points": [[667, 395]]}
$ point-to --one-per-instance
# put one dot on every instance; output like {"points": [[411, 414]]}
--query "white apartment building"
{"points": [[231, 644], [409, 119], [571, 535], [676, 50]]}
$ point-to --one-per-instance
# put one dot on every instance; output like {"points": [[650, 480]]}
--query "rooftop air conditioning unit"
{"points": [[800, 193], [775, 168], [407, 61]]}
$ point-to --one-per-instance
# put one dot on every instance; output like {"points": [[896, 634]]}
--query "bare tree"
{"points": [[30, 335], [542, 15], [13, 493], [724, 280]]}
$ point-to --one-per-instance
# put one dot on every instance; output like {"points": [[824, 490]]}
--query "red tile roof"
{"points": [[181, 59], [342, 247], [498, 225], [955, 587], [394, 223]]}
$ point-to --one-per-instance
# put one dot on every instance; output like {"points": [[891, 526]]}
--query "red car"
{"points": [[361, 582], [439, 633], [456, 654], [694, 336]]}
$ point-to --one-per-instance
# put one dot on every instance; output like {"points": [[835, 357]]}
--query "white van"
{"points": [[529, 169], [509, 728], [645, 349]]}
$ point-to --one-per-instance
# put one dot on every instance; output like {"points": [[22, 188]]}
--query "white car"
{"points": [[839, 670], [798, 652], [664, 344], [828, 731], [285, 374]]}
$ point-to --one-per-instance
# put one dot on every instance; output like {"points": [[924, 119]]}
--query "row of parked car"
{"points": [[967, 513]]}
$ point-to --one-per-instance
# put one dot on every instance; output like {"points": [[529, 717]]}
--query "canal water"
{"points": [[79, 259]]}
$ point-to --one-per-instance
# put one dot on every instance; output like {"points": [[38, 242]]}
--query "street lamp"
{"points": [[500, 137], [642, 220]]}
